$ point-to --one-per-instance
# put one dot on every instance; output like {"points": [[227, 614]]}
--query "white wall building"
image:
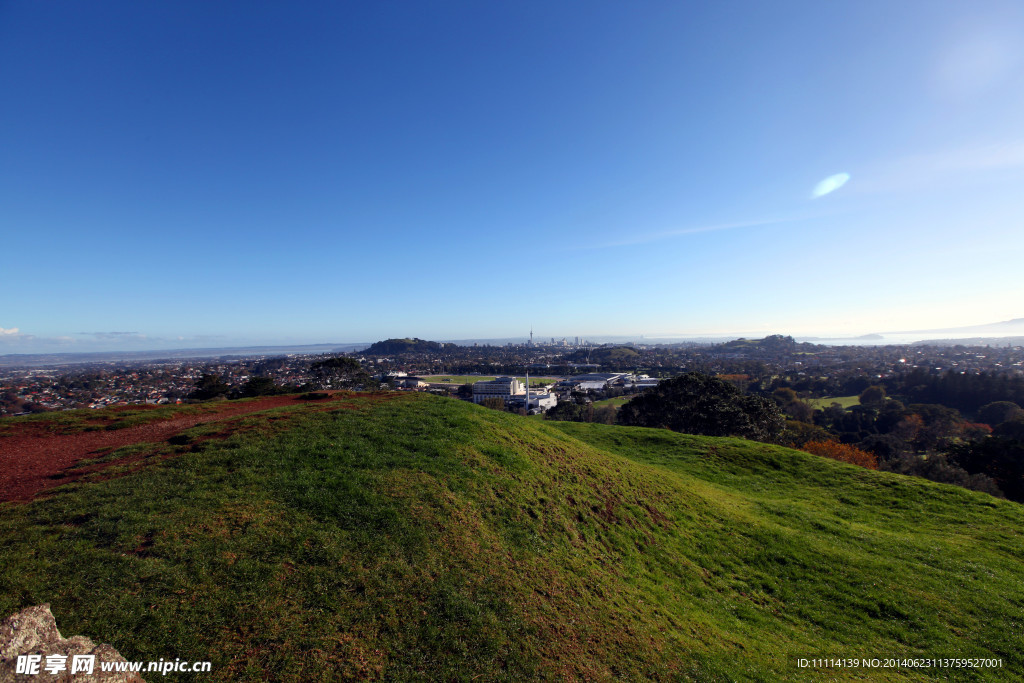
{"points": [[502, 387]]}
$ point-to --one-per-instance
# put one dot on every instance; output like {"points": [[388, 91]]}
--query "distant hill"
{"points": [[775, 342], [1004, 328], [973, 341], [409, 537], [394, 347], [605, 355]]}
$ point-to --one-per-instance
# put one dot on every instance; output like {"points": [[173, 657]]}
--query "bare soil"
{"points": [[33, 459]]}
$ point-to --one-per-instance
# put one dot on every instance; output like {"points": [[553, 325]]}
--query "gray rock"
{"points": [[33, 631]]}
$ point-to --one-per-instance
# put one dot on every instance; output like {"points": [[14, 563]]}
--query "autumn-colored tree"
{"points": [[842, 452], [974, 431]]}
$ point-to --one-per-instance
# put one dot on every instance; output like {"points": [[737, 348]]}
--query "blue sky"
{"points": [[203, 174]]}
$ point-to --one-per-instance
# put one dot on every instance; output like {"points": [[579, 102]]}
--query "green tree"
{"points": [[873, 395], [998, 412], [340, 372], [1000, 456], [210, 386], [494, 403], [567, 411], [261, 386], [695, 403]]}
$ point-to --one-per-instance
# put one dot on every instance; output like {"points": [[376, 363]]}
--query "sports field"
{"points": [[844, 401], [472, 379]]}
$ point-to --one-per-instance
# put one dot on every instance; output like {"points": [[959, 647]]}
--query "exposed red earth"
{"points": [[33, 459]]}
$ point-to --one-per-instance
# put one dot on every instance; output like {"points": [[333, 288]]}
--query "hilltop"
{"points": [[405, 536], [394, 347]]}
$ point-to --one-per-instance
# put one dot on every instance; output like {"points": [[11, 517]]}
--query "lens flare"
{"points": [[830, 184]]}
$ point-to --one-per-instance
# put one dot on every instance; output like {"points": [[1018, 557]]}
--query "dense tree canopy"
{"points": [[700, 404], [261, 386], [998, 412], [873, 395], [392, 347], [210, 386], [340, 372]]}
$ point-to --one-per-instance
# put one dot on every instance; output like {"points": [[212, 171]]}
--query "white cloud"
{"points": [[829, 185], [11, 330]]}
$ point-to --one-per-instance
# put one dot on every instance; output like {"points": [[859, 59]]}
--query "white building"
{"points": [[539, 401], [502, 387]]}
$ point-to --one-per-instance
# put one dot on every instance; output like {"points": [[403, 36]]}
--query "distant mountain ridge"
{"points": [[1006, 327]]}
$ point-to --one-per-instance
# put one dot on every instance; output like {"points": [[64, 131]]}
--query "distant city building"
{"points": [[597, 381]]}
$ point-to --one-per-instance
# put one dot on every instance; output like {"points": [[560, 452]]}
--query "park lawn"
{"points": [[473, 379], [844, 401], [617, 401]]}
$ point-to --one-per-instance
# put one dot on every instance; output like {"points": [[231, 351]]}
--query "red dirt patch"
{"points": [[32, 460]]}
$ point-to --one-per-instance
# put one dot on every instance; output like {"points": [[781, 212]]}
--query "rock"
{"points": [[33, 631]]}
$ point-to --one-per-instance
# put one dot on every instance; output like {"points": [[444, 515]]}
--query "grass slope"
{"points": [[433, 539], [618, 401]]}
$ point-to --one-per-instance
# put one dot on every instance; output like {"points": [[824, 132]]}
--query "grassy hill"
{"points": [[390, 347], [426, 538]]}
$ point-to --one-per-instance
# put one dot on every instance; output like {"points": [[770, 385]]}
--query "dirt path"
{"points": [[32, 461]]}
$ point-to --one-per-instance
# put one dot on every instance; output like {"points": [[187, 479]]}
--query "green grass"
{"points": [[844, 401], [618, 401], [431, 539], [473, 379]]}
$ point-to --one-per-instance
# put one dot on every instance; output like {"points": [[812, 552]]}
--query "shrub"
{"points": [[842, 452]]}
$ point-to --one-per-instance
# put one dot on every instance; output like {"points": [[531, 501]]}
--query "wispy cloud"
{"points": [[8, 331], [646, 238]]}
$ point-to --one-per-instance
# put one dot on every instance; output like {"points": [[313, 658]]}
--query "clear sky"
{"points": [[177, 173]]}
